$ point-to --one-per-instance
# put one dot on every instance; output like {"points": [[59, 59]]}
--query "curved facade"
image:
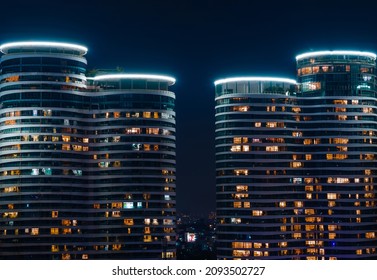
{"points": [[338, 123], [132, 170], [255, 137], [86, 172], [296, 170]]}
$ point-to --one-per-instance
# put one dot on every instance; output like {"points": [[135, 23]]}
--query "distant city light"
{"points": [[5, 47], [319, 53], [134, 76], [262, 79], [190, 237]]}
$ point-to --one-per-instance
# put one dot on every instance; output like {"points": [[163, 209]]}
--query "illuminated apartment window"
{"points": [[242, 188], [66, 147], [235, 220], [66, 222], [128, 222], [241, 253], [271, 124], [370, 235], [296, 164], [296, 235], [116, 247], [241, 108], [296, 109], [66, 138], [283, 228], [67, 231], [54, 214], [331, 196], [332, 227], [297, 227], [308, 141], [296, 134], [155, 222], [308, 156], [359, 252], [147, 238], [258, 124], [332, 235], [54, 248], [282, 204], [116, 214], [34, 231], [237, 140], [272, 148], [66, 256], [237, 204], [147, 230], [147, 221], [299, 204], [235, 148], [309, 196], [246, 204], [167, 222], [133, 130], [340, 141], [241, 172], [309, 212], [257, 213], [54, 230]]}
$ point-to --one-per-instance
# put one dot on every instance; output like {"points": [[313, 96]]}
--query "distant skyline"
{"points": [[197, 42]]}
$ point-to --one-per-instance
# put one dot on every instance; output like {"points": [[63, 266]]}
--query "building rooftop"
{"points": [[321, 53], [4, 48], [261, 79]]}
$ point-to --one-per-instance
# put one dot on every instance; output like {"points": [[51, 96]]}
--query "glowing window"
{"points": [[235, 220], [241, 253], [133, 130], [147, 238], [242, 188], [237, 204], [271, 124], [370, 235], [257, 212], [272, 148], [241, 172], [308, 141], [128, 205], [331, 196], [235, 148]]}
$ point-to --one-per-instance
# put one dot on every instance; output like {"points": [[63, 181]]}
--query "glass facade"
{"points": [[255, 136], [296, 168], [338, 123], [87, 167]]}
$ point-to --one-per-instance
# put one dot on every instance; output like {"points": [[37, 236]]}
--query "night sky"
{"points": [[196, 42]]}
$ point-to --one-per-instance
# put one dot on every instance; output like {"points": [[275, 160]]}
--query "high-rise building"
{"points": [[338, 97], [255, 121], [296, 167], [87, 167]]}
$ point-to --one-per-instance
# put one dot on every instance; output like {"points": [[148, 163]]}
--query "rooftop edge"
{"points": [[262, 79]]}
